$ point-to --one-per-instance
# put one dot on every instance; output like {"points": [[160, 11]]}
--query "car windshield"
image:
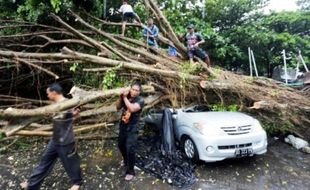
{"points": [[197, 108]]}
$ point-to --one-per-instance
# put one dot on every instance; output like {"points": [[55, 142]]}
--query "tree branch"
{"points": [[84, 37], [37, 67], [117, 42]]}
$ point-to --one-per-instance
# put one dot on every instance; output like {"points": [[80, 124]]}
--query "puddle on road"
{"points": [[281, 168]]}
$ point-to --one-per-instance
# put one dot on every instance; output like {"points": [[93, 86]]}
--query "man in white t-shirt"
{"points": [[128, 14]]}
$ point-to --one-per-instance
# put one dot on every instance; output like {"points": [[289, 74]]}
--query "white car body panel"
{"points": [[226, 132]]}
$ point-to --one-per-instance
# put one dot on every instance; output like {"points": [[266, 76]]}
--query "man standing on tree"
{"points": [[128, 14], [131, 104], [62, 146], [193, 41], [150, 33]]}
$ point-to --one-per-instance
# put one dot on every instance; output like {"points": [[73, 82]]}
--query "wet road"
{"points": [[281, 168]]}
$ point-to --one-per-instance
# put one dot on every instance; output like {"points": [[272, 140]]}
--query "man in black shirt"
{"points": [[62, 146], [131, 104], [194, 40]]}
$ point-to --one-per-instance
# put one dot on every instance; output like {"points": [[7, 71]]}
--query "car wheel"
{"points": [[190, 149]]}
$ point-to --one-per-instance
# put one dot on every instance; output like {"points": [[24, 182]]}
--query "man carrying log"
{"points": [[131, 104], [193, 41], [128, 14], [150, 33], [62, 146]]}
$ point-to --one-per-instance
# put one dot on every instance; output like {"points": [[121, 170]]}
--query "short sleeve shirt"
{"points": [[135, 117], [126, 9], [192, 39]]}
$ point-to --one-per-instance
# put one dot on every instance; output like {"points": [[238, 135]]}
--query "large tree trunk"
{"points": [[281, 108], [82, 98], [167, 27]]}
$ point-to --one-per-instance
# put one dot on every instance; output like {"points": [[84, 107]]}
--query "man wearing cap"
{"points": [[193, 41], [61, 145], [128, 14]]}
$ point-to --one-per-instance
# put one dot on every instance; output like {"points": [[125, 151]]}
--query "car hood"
{"points": [[220, 119]]}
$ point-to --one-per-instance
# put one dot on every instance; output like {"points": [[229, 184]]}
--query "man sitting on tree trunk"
{"points": [[150, 33], [193, 41], [131, 104], [62, 146], [128, 14]]}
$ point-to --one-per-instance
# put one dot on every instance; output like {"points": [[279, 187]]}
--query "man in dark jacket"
{"points": [[131, 104], [62, 146]]}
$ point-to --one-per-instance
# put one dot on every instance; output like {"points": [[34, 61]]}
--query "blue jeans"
{"points": [[152, 42], [70, 161]]}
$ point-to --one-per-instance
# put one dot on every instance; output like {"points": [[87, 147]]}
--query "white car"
{"points": [[214, 136]]}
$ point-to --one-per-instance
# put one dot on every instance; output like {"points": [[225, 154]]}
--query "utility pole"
{"points": [[250, 62], [303, 61], [285, 66], [254, 63]]}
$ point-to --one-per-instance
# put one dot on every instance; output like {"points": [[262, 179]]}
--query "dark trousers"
{"points": [[70, 161], [127, 140], [197, 52]]}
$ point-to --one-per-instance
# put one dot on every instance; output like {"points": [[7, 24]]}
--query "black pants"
{"points": [[197, 52], [127, 140], [128, 16], [69, 158]]}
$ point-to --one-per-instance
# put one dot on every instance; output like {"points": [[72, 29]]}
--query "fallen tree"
{"points": [[167, 82]]}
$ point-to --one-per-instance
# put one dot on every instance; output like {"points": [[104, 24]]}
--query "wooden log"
{"points": [[160, 36], [84, 129], [20, 99], [98, 111], [83, 36], [76, 130], [65, 105], [157, 101], [34, 133], [69, 54], [96, 137], [166, 25], [38, 67], [152, 12], [111, 108], [139, 43], [125, 46], [144, 69], [15, 128]]}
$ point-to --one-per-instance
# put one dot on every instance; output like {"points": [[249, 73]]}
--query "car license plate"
{"points": [[244, 152]]}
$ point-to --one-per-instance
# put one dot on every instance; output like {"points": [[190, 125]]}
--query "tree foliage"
{"points": [[304, 4], [229, 26]]}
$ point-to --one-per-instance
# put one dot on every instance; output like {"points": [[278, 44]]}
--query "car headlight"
{"points": [[257, 126], [204, 130]]}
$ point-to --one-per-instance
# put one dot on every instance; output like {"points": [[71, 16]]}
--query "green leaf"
{"points": [[56, 5]]}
